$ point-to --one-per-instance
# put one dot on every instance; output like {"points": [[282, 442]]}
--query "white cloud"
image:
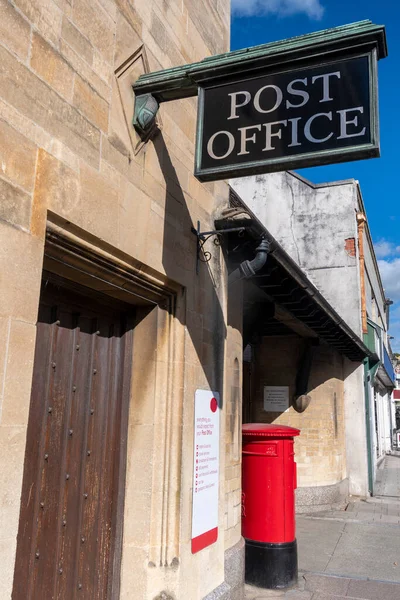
{"points": [[283, 8], [390, 273], [383, 249]]}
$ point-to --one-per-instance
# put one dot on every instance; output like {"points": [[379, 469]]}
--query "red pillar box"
{"points": [[268, 505]]}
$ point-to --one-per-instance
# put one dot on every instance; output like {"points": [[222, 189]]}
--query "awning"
{"points": [[282, 284]]}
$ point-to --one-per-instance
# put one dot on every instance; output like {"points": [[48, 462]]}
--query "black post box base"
{"points": [[271, 566]]}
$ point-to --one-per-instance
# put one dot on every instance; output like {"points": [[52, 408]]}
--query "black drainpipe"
{"points": [[248, 268]]}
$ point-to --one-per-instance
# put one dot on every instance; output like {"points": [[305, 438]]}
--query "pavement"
{"points": [[388, 477], [350, 554]]}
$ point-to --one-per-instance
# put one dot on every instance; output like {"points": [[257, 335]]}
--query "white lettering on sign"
{"points": [[325, 85], [242, 98], [242, 148], [266, 136], [307, 128], [244, 139], [205, 469], [276, 398], [269, 134], [278, 101], [210, 145], [294, 123], [343, 123], [296, 92], [235, 104]]}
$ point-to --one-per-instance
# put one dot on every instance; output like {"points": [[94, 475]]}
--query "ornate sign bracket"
{"points": [[204, 236], [182, 82]]}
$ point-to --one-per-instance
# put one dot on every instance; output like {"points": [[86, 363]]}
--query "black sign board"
{"points": [[323, 114]]}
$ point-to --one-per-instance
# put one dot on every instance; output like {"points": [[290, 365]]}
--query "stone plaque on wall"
{"points": [[276, 398]]}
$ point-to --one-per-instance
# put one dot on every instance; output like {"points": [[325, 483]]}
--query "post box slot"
{"points": [[269, 451]]}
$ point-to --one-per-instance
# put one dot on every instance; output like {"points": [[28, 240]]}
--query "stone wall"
{"points": [[233, 436], [69, 156], [320, 451]]}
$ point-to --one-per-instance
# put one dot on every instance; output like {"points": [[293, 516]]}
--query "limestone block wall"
{"points": [[69, 155], [233, 417], [320, 451]]}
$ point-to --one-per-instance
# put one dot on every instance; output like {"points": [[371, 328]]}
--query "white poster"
{"points": [[276, 398], [205, 470]]}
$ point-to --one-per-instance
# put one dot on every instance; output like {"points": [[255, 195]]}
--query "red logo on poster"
{"points": [[213, 405]]}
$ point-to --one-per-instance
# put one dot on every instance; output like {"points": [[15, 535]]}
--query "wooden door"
{"points": [[72, 498]]}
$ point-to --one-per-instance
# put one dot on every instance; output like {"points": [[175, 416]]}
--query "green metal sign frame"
{"points": [[332, 45], [290, 162]]}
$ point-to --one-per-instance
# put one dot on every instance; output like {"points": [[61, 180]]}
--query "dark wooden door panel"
{"points": [[76, 464], [68, 520], [51, 472]]}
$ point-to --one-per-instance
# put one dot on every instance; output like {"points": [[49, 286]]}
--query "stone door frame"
{"points": [[160, 307]]}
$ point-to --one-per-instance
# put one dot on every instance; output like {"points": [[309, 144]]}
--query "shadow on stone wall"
{"points": [[205, 320], [276, 362]]}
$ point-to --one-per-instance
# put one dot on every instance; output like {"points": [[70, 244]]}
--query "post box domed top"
{"points": [[263, 430]]}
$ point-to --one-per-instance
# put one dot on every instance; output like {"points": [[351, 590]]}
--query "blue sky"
{"points": [[260, 21]]}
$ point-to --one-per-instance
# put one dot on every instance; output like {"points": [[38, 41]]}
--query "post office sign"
{"points": [[322, 114]]}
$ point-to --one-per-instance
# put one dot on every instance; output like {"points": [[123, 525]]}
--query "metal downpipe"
{"points": [[248, 268]]}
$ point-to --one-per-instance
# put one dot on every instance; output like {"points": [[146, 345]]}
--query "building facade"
{"points": [[396, 402], [116, 323], [107, 330], [347, 427]]}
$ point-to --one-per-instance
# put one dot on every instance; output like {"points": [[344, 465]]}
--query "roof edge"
{"points": [[332, 44], [283, 258]]}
